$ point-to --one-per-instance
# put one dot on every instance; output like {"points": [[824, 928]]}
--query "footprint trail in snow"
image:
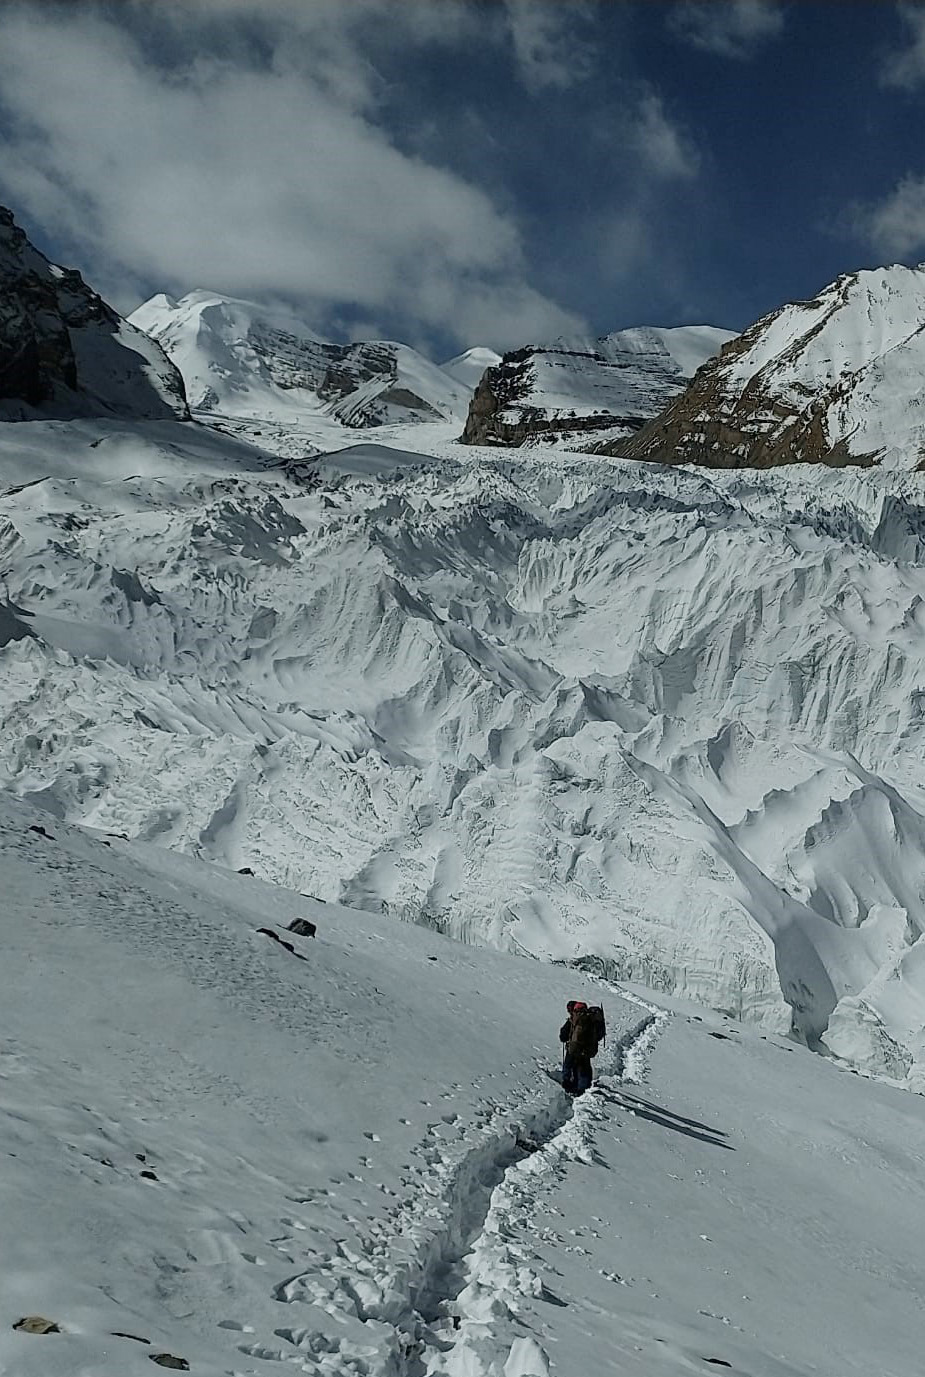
{"points": [[439, 1284]]}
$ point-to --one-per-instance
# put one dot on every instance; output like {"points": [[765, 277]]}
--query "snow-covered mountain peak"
{"points": [[239, 358], [836, 379], [467, 368]]}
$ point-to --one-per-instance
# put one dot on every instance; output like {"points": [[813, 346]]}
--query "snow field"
{"points": [[324, 1132], [346, 1158]]}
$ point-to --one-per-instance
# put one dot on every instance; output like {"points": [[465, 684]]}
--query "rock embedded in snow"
{"points": [[65, 353], [836, 380], [578, 389], [36, 1324]]}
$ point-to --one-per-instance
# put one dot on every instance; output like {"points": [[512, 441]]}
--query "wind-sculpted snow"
{"points": [[669, 719]]}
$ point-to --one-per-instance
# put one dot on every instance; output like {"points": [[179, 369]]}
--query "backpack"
{"points": [[587, 1032]]}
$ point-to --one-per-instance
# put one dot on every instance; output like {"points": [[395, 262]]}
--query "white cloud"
{"points": [[665, 150], [905, 68], [896, 226], [255, 175], [729, 28], [549, 49]]}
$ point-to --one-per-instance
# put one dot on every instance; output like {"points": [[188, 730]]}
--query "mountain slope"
{"points": [[835, 380], [576, 386], [65, 353], [345, 1158], [238, 359]]}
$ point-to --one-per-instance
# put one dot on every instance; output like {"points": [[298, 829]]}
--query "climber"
{"points": [[580, 1034]]}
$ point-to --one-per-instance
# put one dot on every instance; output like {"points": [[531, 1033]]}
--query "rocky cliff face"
{"points": [[836, 380], [64, 352], [239, 360], [577, 389]]}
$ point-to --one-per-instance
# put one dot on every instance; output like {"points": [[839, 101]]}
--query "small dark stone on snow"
{"points": [[431, 958], [36, 1324], [302, 927], [168, 1360], [245, 870], [34, 827], [148, 1175], [718, 1362], [121, 1334], [140, 1157]]}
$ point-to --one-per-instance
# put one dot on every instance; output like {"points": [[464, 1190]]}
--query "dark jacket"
{"points": [[582, 1035]]}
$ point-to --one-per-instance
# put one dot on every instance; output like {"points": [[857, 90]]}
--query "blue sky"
{"points": [[450, 173]]}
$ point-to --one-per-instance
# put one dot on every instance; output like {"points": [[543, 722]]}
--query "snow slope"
{"points": [[665, 720], [609, 386], [467, 368], [237, 359], [344, 1158], [834, 380]]}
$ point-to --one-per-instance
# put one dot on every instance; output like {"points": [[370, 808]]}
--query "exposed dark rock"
{"points": [[169, 1360], [12, 627], [707, 425], [65, 353], [302, 927]]}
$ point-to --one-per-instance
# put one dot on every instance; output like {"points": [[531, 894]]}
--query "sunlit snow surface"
{"points": [[346, 1159], [540, 701]]}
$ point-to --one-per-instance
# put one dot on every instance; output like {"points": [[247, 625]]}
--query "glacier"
{"points": [[663, 722]]}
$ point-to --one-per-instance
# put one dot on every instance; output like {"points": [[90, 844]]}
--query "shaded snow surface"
{"points": [[353, 1164], [667, 720]]}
